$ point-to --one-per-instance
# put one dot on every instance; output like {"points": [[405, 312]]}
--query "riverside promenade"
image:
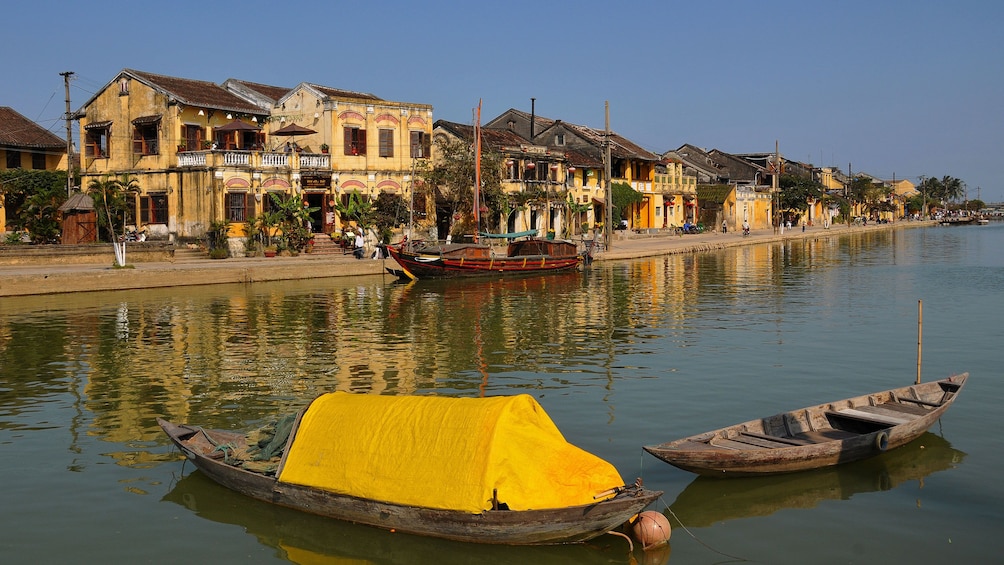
{"points": [[26, 280]]}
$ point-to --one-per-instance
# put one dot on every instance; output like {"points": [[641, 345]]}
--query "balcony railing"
{"points": [[256, 159]]}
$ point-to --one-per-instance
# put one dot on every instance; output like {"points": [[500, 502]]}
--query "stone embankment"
{"points": [[182, 267]]}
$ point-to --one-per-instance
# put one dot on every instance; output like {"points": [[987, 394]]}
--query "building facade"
{"points": [[201, 153]]}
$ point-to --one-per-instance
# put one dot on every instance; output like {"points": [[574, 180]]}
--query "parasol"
{"points": [[236, 127], [293, 129]]}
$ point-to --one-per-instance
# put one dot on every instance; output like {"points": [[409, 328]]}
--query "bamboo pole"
{"points": [[920, 335]]}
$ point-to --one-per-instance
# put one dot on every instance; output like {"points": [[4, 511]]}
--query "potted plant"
{"points": [[206, 144], [182, 147], [324, 148]]}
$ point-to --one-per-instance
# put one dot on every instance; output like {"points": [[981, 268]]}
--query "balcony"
{"points": [[234, 159]]}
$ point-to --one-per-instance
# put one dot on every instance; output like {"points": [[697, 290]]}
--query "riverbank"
{"points": [[27, 280]]}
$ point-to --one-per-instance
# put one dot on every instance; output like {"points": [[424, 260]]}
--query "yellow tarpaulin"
{"points": [[446, 453]]}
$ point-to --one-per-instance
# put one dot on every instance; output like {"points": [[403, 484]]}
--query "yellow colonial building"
{"points": [[201, 152]]}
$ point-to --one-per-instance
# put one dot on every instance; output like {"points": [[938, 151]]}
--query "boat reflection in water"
{"points": [[709, 500], [308, 539]]}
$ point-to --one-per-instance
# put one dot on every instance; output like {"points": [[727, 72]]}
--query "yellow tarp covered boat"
{"points": [[491, 470], [447, 453]]}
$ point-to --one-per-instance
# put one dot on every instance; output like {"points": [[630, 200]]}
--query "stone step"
{"points": [[186, 254]]}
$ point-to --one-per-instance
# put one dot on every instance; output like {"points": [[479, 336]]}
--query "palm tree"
{"points": [[109, 195]]}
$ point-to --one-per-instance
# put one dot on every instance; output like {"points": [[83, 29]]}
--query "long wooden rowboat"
{"points": [[569, 524], [816, 436]]}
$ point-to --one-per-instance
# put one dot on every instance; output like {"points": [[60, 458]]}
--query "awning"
{"points": [[145, 120], [98, 125]]}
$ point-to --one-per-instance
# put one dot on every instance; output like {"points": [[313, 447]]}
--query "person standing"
{"points": [[360, 243], [725, 227]]}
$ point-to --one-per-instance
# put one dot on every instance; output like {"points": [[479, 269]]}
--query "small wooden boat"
{"points": [[439, 479], [531, 255], [816, 436]]}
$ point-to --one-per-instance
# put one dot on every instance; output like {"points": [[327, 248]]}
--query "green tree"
{"points": [[454, 175], [623, 197], [863, 191], [796, 191], [33, 199], [941, 191], [109, 194], [356, 208], [575, 212], [390, 211], [110, 201]]}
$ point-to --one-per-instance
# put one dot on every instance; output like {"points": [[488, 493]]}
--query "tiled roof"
{"points": [[18, 131], [339, 93], [496, 139], [717, 193], [267, 90], [196, 92], [582, 159]]}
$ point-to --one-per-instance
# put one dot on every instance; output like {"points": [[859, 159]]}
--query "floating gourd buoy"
{"points": [[651, 529], [882, 441]]}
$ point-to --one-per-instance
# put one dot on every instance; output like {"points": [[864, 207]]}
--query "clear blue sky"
{"points": [[905, 88]]}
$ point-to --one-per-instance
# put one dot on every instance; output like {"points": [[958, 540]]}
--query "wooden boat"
{"points": [[958, 220], [532, 255], [707, 500], [816, 436], [405, 463]]}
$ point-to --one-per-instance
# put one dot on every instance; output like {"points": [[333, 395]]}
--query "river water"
{"points": [[626, 354]]}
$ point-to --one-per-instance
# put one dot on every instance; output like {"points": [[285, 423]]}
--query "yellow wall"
{"points": [[197, 181]]}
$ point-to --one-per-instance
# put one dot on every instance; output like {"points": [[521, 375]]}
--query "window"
{"points": [[421, 146], [153, 209], [386, 143], [191, 137], [38, 161], [239, 206], [355, 141], [559, 139], [96, 143], [13, 159], [144, 139]]}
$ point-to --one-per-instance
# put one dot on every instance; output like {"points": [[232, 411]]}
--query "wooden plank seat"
{"points": [[823, 436], [883, 410], [858, 414], [906, 408], [786, 441], [731, 444]]}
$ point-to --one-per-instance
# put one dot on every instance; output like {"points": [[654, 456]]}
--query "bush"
{"points": [[219, 253]]}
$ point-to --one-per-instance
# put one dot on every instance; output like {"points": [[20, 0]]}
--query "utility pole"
{"points": [[69, 134], [608, 224], [847, 191], [774, 188]]}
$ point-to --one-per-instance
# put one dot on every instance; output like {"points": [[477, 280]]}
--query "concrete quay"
{"points": [[27, 280]]}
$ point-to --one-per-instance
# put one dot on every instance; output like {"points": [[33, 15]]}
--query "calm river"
{"points": [[627, 354]]}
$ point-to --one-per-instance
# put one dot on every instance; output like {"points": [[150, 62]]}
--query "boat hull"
{"points": [[530, 527], [817, 436], [424, 265]]}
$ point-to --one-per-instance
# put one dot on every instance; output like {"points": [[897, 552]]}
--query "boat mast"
{"points": [[477, 172]]}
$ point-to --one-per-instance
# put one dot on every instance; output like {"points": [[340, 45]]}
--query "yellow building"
{"points": [[27, 145], [201, 152]]}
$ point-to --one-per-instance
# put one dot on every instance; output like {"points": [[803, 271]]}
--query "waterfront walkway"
{"points": [[24, 280]]}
